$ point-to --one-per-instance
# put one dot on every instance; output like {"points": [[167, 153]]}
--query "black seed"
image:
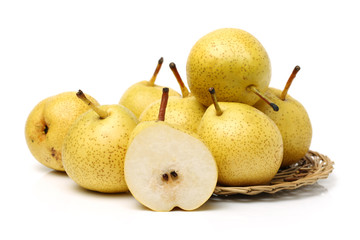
{"points": [[174, 174], [165, 177]]}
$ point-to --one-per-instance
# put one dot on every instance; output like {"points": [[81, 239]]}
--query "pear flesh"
{"points": [[166, 168], [229, 60], [245, 143], [47, 125], [293, 123], [94, 149]]}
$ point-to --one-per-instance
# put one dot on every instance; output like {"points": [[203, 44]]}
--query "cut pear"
{"points": [[166, 168]]}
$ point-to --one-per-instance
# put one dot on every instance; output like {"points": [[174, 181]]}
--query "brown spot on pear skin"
{"points": [[55, 154]]}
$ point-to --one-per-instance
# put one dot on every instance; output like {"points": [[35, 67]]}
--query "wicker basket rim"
{"points": [[307, 171]]}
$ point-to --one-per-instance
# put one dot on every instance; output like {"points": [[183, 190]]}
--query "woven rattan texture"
{"points": [[309, 170]]}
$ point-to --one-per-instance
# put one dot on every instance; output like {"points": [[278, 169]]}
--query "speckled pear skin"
{"points": [[94, 149], [228, 60], [140, 95], [185, 112], [245, 143], [293, 123], [48, 123], [145, 124]]}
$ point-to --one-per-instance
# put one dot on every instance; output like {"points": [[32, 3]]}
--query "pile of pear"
{"points": [[228, 127]]}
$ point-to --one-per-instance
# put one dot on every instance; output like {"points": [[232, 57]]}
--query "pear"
{"points": [[184, 110], [47, 125], [140, 95], [292, 120], [245, 143], [232, 61], [95, 146], [168, 167]]}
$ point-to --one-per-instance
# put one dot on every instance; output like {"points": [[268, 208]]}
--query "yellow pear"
{"points": [[94, 148], [165, 167], [245, 143], [140, 95], [292, 121], [47, 125], [184, 110], [232, 61]]}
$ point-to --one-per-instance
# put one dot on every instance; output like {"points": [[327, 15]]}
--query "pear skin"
{"points": [[47, 125], [94, 149], [185, 112], [229, 60], [140, 95], [245, 143], [293, 123]]}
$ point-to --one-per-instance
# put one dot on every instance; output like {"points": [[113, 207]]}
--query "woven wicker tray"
{"points": [[309, 170]]}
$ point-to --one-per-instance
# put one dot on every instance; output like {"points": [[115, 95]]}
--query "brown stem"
{"points": [[263, 97], [184, 90], [219, 112], [157, 70], [163, 104], [288, 83], [103, 114]]}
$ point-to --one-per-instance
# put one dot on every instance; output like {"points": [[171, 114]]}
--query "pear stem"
{"points": [[263, 97], [157, 70], [163, 104], [219, 112], [103, 114], [288, 83], [184, 90]]}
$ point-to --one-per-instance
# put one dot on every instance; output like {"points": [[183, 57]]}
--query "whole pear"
{"points": [[293, 122], [94, 148], [245, 143], [47, 125], [184, 111], [140, 95], [230, 60]]}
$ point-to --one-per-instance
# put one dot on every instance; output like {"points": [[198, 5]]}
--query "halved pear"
{"points": [[167, 167]]}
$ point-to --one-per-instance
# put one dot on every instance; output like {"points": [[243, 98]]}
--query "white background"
{"points": [[102, 47]]}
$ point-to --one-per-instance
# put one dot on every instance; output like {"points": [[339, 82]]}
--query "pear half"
{"points": [[166, 168]]}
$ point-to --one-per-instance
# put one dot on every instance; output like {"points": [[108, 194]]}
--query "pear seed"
{"points": [[165, 177], [174, 174]]}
